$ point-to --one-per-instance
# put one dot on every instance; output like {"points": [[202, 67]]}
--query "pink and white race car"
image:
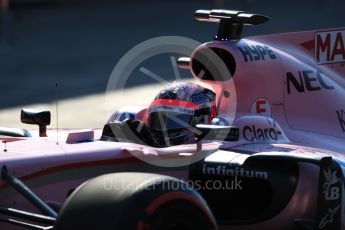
{"points": [[270, 154]]}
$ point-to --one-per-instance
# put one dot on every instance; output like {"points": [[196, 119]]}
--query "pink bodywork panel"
{"points": [[309, 117]]}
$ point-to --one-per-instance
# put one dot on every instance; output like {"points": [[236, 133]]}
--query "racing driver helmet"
{"points": [[176, 110]]}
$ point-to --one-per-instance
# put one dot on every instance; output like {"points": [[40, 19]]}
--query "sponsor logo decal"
{"points": [[255, 134], [330, 186], [329, 47], [341, 117], [261, 106], [256, 52], [222, 170], [175, 109], [307, 80], [328, 218], [329, 195]]}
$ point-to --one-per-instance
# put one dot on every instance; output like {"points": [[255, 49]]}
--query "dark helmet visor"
{"points": [[169, 120]]}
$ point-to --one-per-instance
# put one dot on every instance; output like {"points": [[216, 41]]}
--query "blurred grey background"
{"points": [[77, 43]]}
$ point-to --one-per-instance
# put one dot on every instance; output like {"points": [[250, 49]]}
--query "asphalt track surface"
{"points": [[77, 44]]}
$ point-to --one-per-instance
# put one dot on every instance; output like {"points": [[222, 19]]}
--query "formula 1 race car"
{"points": [[262, 147]]}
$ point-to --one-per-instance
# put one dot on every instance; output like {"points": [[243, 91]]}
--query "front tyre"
{"points": [[139, 201]]}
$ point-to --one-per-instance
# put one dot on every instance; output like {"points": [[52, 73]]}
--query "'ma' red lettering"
{"points": [[323, 46], [338, 48]]}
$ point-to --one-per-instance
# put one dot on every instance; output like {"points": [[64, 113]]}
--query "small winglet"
{"points": [[230, 21]]}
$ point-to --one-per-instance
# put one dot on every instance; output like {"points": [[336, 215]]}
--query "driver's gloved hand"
{"points": [[136, 131], [129, 130]]}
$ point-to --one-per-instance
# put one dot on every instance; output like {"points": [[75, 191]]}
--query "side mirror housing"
{"points": [[40, 118]]}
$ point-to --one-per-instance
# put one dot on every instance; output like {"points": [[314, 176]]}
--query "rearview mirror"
{"points": [[40, 118]]}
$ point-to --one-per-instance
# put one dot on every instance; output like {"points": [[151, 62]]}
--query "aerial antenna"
{"points": [[5, 148], [57, 112]]}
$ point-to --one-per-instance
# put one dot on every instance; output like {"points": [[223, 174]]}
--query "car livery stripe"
{"points": [[78, 165], [173, 102]]}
